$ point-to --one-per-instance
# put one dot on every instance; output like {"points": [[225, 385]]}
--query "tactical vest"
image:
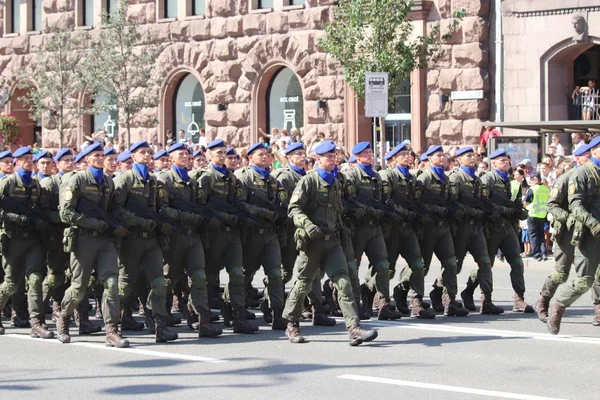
{"points": [[538, 208]]}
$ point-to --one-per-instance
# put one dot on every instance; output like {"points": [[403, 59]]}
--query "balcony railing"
{"points": [[584, 107]]}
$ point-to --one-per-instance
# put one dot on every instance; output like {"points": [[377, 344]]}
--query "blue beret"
{"points": [[5, 154], [325, 147], [110, 151], [78, 157], [42, 154], [216, 143], [581, 150], [423, 157], [160, 154], [498, 153], [138, 145], [61, 153], [190, 151], [91, 148], [593, 143], [434, 149], [175, 147], [360, 147], [397, 149], [21, 151], [293, 147], [255, 147], [464, 150], [352, 159], [231, 151], [124, 156], [198, 153]]}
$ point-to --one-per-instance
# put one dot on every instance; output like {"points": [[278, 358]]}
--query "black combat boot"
{"points": [[467, 295], [319, 318], [264, 308], [366, 297], [227, 314], [596, 320], [292, 332], [519, 305], [19, 320], [191, 317], [279, 323], [82, 319], [387, 312], [331, 299], [453, 308], [357, 335], [62, 328], [150, 322], [240, 323], [1, 328], [401, 297], [162, 332], [436, 299], [556, 312], [128, 323], [541, 308], [489, 308], [206, 328], [419, 310], [39, 329], [113, 337]]}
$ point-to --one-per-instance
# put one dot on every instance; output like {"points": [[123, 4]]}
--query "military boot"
{"points": [[519, 305], [191, 317], [55, 310], [162, 332], [366, 308], [240, 323], [401, 297], [541, 308], [19, 320], [319, 318], [215, 299], [556, 312], [206, 328], [227, 314], [387, 312], [489, 308], [252, 299], [150, 322], [419, 310], [292, 332], [249, 315], [453, 308], [98, 308], [264, 308], [436, 299], [467, 295], [357, 335], [141, 308], [331, 299], [279, 323], [113, 337], [128, 323], [82, 319], [596, 321], [1, 328], [39, 329], [173, 320], [62, 328]]}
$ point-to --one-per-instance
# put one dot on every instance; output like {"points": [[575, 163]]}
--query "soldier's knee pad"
{"points": [[198, 278], [78, 295], [450, 262], [558, 277], [159, 286], [51, 280], [10, 287], [341, 281], [382, 266], [236, 276], [34, 281], [274, 275], [417, 265], [111, 287], [582, 284]]}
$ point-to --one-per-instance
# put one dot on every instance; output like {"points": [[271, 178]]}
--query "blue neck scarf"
{"points": [[503, 175], [42, 176], [25, 176], [61, 173], [367, 168], [327, 176], [2, 175], [469, 170], [404, 170], [142, 170], [182, 172], [98, 174], [439, 172], [335, 171], [222, 169], [595, 161], [300, 171], [262, 172]]}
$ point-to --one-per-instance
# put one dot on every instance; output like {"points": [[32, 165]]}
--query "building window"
{"points": [[285, 101], [170, 8], [296, 2], [188, 108], [401, 99], [198, 7], [265, 3], [86, 13], [13, 14], [111, 6], [107, 120], [36, 15]]}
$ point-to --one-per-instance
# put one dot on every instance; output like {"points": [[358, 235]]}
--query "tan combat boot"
{"points": [[113, 337], [62, 328], [541, 308], [556, 312], [292, 332], [417, 310], [39, 329], [357, 335]]}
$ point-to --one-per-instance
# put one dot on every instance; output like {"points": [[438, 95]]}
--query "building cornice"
{"points": [[556, 11]]}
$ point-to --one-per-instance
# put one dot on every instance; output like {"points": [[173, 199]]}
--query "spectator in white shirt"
{"points": [[556, 141]]}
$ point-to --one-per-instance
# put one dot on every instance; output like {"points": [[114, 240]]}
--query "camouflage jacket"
{"points": [[13, 187], [584, 194], [169, 186], [251, 185], [130, 185]]}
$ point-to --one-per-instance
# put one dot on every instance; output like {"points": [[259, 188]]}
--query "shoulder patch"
{"points": [[161, 193], [386, 188], [68, 195], [417, 193], [485, 192], [554, 192], [349, 188], [282, 195], [572, 187], [453, 189]]}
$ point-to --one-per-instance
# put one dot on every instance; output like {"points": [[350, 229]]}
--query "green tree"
{"points": [[121, 71], [55, 85]]}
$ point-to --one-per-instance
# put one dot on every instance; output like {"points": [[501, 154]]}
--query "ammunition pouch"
{"points": [[578, 232], [69, 239], [301, 239]]}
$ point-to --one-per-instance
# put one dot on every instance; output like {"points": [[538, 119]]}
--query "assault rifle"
{"points": [[520, 211], [16, 207], [379, 205], [91, 210], [430, 198], [144, 211], [216, 204], [184, 205], [276, 208]]}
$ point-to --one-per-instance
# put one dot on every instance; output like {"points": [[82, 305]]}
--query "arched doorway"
{"points": [[584, 98], [29, 129], [108, 118], [188, 107], [285, 101]]}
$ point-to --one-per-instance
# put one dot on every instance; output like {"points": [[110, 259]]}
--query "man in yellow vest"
{"points": [[536, 202]]}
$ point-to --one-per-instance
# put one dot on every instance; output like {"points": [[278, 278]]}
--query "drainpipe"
{"points": [[499, 64]]}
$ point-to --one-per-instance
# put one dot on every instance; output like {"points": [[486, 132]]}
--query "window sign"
{"points": [[286, 102], [107, 120], [189, 108]]}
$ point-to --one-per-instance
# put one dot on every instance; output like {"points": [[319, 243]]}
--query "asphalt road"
{"points": [[510, 356]]}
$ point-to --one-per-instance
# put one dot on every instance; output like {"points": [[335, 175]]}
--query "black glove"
{"points": [[409, 215], [378, 214], [100, 225], [270, 215], [313, 232], [495, 216]]}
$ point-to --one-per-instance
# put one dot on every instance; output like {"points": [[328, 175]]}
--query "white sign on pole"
{"points": [[466, 95], [376, 94]]}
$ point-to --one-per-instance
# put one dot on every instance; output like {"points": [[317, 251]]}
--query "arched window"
{"points": [[188, 108], [108, 119], [285, 101]]}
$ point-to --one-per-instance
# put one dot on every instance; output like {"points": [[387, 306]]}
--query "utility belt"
{"points": [[21, 234], [472, 222], [327, 237], [261, 230], [93, 233], [143, 235], [370, 222]]}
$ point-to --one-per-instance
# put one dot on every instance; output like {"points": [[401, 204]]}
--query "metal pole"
{"points": [[375, 138]]}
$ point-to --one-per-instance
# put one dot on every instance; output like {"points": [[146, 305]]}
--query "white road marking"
{"points": [[486, 332], [132, 350], [445, 388]]}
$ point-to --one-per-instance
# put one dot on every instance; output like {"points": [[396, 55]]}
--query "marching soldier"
{"points": [[186, 252], [161, 161], [502, 234], [399, 187], [584, 205], [470, 236], [44, 163], [136, 190], [91, 241], [564, 251], [6, 164], [363, 185], [199, 160], [316, 208], [22, 250], [110, 161], [124, 162]]}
